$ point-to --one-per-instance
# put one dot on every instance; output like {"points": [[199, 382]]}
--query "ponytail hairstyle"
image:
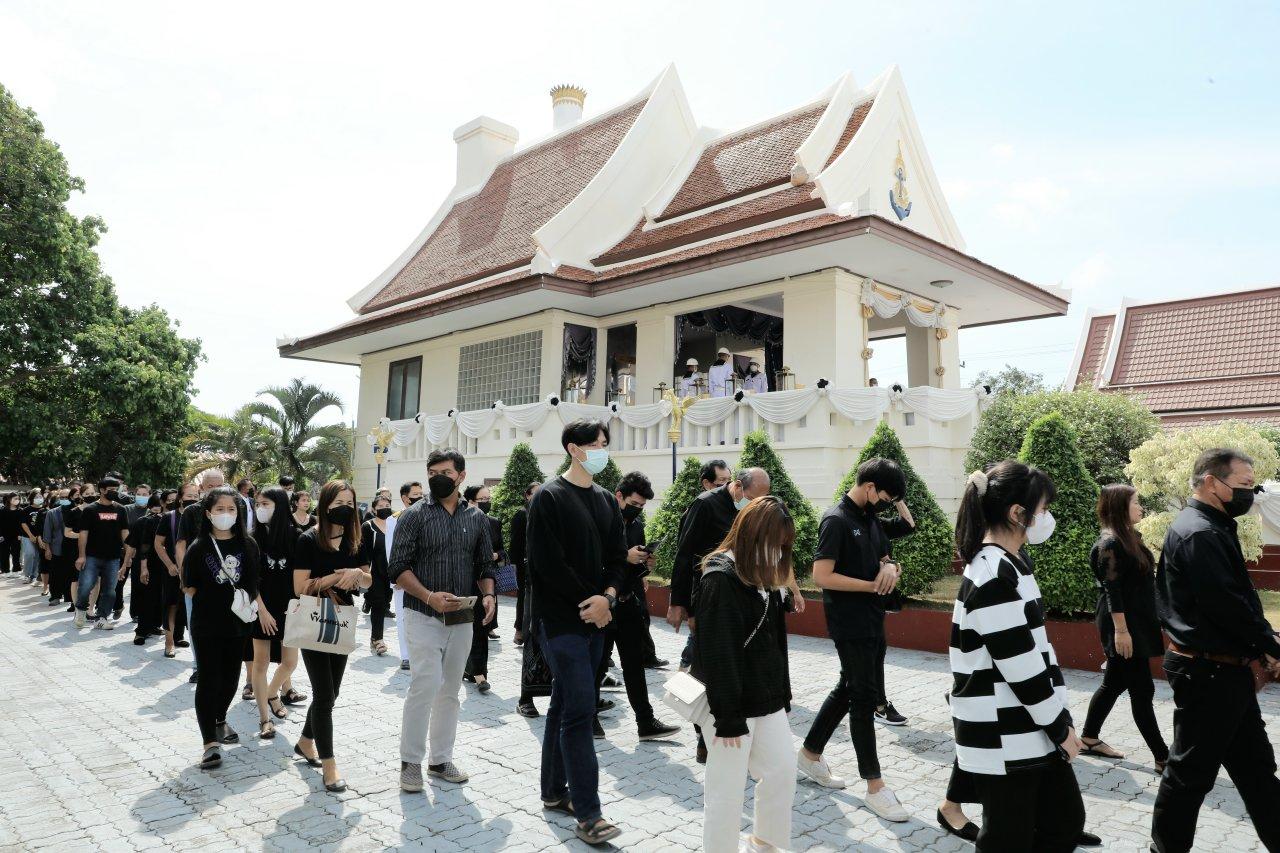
{"points": [[988, 497], [1113, 515]]}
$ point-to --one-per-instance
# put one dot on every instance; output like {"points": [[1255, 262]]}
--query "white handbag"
{"points": [[241, 604], [320, 624]]}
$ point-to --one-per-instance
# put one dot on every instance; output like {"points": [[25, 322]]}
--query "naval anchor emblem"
{"points": [[898, 198]]}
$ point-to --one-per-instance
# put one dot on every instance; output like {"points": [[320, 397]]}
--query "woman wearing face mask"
{"points": [[300, 505], [31, 523], [328, 560], [172, 601], [477, 669], [374, 533], [273, 532], [740, 654], [10, 525], [1018, 740], [1127, 623], [221, 560], [146, 600]]}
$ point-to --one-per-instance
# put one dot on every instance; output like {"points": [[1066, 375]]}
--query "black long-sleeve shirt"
{"points": [[1206, 601], [1127, 586], [519, 531], [705, 524], [576, 549]]}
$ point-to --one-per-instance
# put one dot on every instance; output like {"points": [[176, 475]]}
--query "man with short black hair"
{"points": [[853, 567], [715, 474], [102, 528], [286, 482], [1216, 627], [410, 494], [477, 668], [577, 556]]}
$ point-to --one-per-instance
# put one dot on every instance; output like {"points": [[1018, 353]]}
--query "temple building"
{"points": [[578, 275]]}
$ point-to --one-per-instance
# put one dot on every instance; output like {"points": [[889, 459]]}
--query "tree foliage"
{"points": [[1161, 472], [1011, 380], [664, 525], [926, 554], [302, 448], [1062, 564], [757, 452], [508, 496], [1107, 426]]}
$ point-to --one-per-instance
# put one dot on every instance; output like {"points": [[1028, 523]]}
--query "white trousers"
{"points": [[769, 754], [398, 603], [437, 654]]}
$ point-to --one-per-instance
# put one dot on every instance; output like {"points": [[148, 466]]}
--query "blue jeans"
{"points": [[96, 568], [30, 560], [568, 748]]}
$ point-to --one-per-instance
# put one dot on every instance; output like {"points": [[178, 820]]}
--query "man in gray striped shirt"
{"points": [[440, 553]]}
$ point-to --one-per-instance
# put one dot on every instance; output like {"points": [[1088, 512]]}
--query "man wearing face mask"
{"points": [[102, 529], [688, 384], [755, 383], [1216, 627], [57, 551], [477, 669], [440, 554], [410, 494], [853, 567], [718, 374]]}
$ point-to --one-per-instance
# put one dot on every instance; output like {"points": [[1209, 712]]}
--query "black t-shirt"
{"points": [[9, 520], [856, 540], [189, 523], [309, 556], [103, 525], [33, 517], [276, 585], [211, 614], [167, 526]]}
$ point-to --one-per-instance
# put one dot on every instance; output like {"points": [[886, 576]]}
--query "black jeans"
{"points": [[10, 553], [1132, 674], [325, 671], [216, 681], [628, 631], [856, 694], [1037, 808], [1216, 723]]}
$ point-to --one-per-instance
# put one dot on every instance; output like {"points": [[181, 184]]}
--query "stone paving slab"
{"points": [[99, 744]]}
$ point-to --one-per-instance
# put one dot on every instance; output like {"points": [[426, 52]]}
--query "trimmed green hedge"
{"points": [[757, 452], [508, 496], [1062, 564], [665, 523], [925, 556]]}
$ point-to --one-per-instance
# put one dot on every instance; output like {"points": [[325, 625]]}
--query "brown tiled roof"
{"points": [[1230, 335], [1269, 417], [1248, 392], [491, 231], [856, 118], [1095, 349], [744, 162]]}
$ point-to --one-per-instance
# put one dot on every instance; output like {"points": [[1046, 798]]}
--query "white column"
{"points": [[823, 329]]}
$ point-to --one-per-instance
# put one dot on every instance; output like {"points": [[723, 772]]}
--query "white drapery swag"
{"points": [[527, 417], [438, 428], [476, 423], [711, 411], [1268, 503], [860, 404], [570, 412], [643, 417], [404, 431], [940, 404], [888, 306]]}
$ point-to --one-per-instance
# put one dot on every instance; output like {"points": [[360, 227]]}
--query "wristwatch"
{"points": [[488, 595], [613, 600]]}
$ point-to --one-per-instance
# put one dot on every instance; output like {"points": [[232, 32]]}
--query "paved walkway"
{"points": [[99, 739]]}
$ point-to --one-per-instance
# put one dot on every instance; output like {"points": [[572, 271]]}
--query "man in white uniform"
{"points": [[718, 374], [755, 381], [687, 385]]}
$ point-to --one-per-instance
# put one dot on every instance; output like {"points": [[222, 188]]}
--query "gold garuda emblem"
{"points": [[898, 198]]}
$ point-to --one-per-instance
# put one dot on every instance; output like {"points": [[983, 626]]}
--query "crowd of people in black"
{"points": [[226, 566]]}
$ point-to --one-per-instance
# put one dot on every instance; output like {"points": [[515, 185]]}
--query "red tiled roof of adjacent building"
{"points": [[491, 231], [1095, 349], [744, 162]]}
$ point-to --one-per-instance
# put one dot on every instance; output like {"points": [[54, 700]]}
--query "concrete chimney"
{"points": [[482, 143], [566, 106]]}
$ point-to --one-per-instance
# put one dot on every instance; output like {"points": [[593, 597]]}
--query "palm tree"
{"points": [[300, 448], [239, 445]]}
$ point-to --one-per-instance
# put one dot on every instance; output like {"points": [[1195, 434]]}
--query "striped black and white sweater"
{"points": [[1008, 700]]}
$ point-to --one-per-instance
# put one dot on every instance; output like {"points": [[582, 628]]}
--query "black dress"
{"points": [[276, 588], [1128, 588], [375, 540]]}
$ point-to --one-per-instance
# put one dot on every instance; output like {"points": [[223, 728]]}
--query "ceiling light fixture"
{"points": [[942, 282]]}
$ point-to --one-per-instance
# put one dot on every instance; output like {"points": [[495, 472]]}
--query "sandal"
{"points": [[170, 653], [212, 758], [1160, 766], [378, 647], [1097, 749], [280, 714], [564, 804], [247, 693], [293, 697], [266, 729], [598, 833]]}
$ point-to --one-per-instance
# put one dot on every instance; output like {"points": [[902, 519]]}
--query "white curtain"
{"points": [[527, 417], [942, 404], [860, 404], [642, 417], [783, 407], [1268, 504], [438, 428], [710, 411], [889, 305], [477, 423], [405, 431], [570, 412]]}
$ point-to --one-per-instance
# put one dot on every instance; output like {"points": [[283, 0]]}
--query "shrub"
{"points": [[508, 496], [665, 523], [757, 452], [1107, 426], [607, 479], [1062, 564], [926, 554], [1161, 472]]}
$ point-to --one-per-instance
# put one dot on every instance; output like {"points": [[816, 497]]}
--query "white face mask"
{"points": [[223, 520], [264, 513], [1041, 528]]}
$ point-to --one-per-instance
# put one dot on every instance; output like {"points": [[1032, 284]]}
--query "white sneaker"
{"points": [[79, 618], [885, 804], [104, 625], [819, 772]]}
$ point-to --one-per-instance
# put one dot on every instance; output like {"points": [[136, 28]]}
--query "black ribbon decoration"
{"points": [[579, 354]]}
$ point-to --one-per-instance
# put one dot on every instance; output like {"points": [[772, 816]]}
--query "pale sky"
{"points": [[257, 164]]}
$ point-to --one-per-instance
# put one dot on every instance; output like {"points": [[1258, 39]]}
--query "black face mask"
{"points": [[630, 513], [171, 505], [113, 495], [383, 512], [441, 486], [485, 506], [413, 501], [340, 515], [719, 361], [188, 502], [1240, 503], [689, 372]]}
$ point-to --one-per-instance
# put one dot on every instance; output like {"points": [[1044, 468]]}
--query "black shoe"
{"points": [[404, 664], [469, 678], [493, 635], [71, 609], [655, 730], [195, 674], [610, 683], [701, 755], [597, 730], [365, 608], [527, 709], [889, 716], [968, 832], [225, 734], [53, 602], [484, 686], [1088, 839], [388, 615], [656, 663], [604, 705], [182, 644], [139, 641], [116, 614], [610, 664]]}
